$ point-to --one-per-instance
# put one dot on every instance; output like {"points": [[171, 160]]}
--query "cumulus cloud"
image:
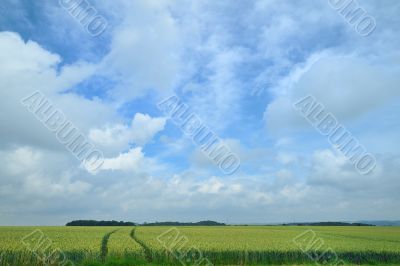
{"points": [[35, 69], [141, 130], [127, 161]]}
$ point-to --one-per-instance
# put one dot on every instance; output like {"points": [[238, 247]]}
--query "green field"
{"points": [[225, 245]]}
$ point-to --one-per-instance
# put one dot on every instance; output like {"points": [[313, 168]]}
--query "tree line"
{"points": [[121, 223]]}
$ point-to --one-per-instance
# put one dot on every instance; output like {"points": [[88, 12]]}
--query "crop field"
{"points": [[200, 245]]}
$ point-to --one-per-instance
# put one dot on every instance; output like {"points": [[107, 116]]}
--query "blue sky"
{"points": [[239, 66]]}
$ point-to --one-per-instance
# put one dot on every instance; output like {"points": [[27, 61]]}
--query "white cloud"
{"points": [[144, 52], [117, 137], [47, 187], [22, 160], [22, 56], [132, 160], [30, 68], [331, 168], [349, 86], [31, 172], [212, 186]]}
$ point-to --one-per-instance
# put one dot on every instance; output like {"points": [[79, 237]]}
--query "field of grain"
{"points": [[279, 244], [225, 245]]}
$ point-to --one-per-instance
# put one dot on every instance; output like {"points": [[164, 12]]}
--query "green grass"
{"points": [[227, 245]]}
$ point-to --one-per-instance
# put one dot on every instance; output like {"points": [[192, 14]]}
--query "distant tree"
{"points": [[201, 223], [99, 223], [328, 224]]}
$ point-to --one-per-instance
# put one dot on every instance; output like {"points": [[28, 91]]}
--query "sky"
{"points": [[239, 66]]}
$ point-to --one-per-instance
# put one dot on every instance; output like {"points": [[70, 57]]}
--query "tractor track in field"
{"points": [[104, 242], [147, 250]]}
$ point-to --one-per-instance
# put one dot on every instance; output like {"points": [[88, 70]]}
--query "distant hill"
{"points": [[329, 224], [382, 223], [201, 223], [99, 223]]}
